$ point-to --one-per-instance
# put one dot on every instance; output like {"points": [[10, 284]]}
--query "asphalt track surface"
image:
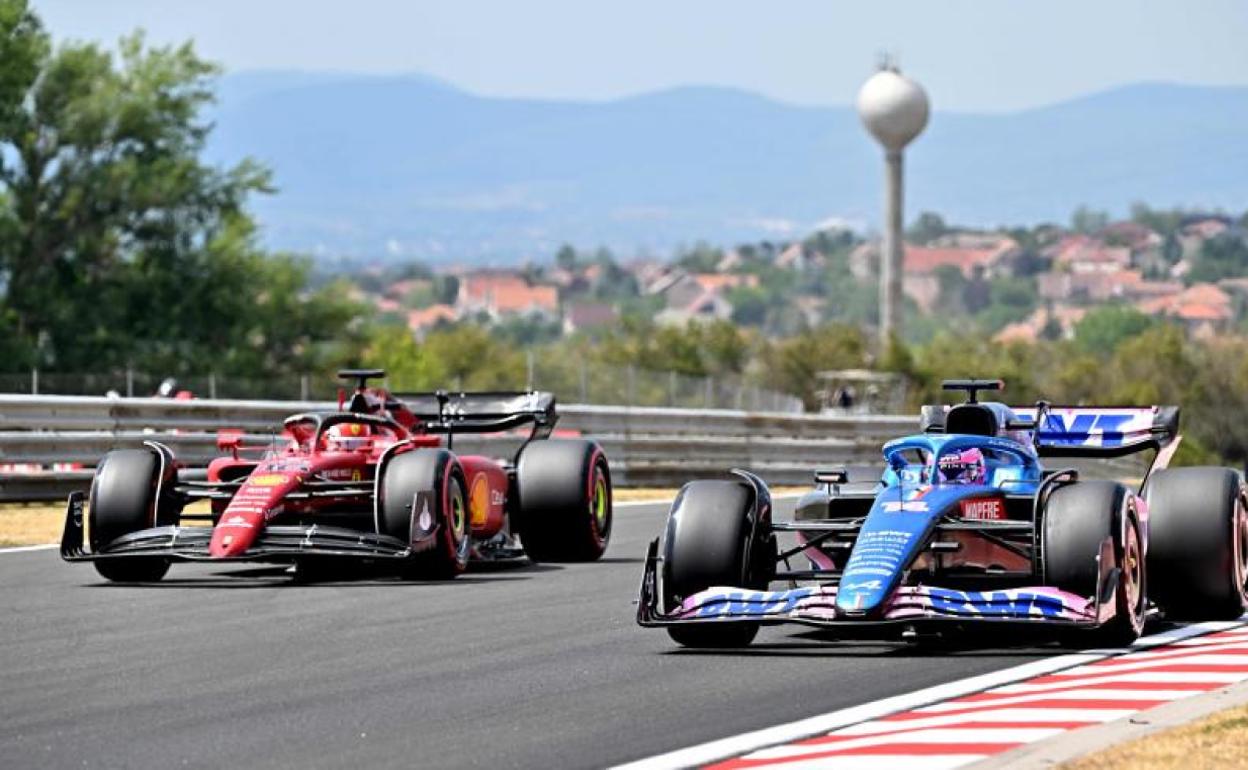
{"points": [[526, 667]]}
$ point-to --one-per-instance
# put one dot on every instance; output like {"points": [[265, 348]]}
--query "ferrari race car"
{"points": [[966, 525], [371, 481]]}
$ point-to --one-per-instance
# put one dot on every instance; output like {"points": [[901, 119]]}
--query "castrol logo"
{"points": [[989, 509]]}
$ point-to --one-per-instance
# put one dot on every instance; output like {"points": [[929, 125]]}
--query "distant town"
{"points": [[1014, 284]]}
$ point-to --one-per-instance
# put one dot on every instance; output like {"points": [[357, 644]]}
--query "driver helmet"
{"points": [[965, 467], [348, 437]]}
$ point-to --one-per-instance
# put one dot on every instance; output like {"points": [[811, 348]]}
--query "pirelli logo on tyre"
{"points": [[983, 509]]}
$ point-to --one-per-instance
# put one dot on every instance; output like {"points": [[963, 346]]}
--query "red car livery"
{"points": [[377, 479]]}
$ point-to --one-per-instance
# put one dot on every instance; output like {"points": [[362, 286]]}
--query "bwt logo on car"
{"points": [[1009, 602], [1083, 426], [731, 603]]}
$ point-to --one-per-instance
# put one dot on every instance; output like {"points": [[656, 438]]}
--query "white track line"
{"points": [[745, 743]]}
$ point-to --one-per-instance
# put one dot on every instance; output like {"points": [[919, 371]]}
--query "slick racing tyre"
{"points": [[1198, 543], [564, 512], [123, 500], [1077, 520], [707, 543], [422, 502]]}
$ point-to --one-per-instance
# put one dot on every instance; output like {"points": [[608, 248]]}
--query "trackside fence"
{"points": [[49, 444]]}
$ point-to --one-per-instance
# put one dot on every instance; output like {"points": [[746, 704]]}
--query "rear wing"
{"points": [[483, 411], [1102, 431]]}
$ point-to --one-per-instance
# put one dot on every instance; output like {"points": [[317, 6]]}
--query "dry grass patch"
{"points": [[1217, 741], [40, 523]]}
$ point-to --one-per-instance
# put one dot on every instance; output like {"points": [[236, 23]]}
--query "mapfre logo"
{"points": [[989, 509]]}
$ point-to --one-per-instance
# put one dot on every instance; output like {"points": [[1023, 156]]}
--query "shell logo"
{"points": [[479, 500], [267, 480]]}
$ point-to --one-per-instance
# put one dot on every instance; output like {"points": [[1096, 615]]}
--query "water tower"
{"points": [[894, 109]]}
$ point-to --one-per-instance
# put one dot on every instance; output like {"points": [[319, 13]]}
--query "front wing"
{"points": [[275, 544], [917, 605]]}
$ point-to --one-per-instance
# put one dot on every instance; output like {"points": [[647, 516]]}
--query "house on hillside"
{"points": [[706, 306], [587, 316], [1033, 328], [502, 294], [1085, 254], [1094, 286], [422, 321], [921, 263], [1204, 309]]}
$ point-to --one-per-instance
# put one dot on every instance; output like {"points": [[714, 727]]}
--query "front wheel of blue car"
{"points": [[709, 543], [1078, 520]]}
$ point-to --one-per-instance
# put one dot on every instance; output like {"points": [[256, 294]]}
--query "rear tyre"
{"points": [[1077, 520], [707, 544], [123, 500], [564, 511], [1198, 543], [423, 503]]}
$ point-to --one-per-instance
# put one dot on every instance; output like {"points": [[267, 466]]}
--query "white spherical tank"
{"points": [[893, 108]]}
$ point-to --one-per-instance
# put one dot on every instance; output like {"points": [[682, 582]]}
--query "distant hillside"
{"points": [[413, 166]]}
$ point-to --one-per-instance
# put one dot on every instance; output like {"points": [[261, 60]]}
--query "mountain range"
{"points": [[380, 167]]}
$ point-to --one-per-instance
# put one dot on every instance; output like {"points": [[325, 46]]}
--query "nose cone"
{"points": [[234, 534]]}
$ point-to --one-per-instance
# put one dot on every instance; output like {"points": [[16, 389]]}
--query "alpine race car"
{"points": [[375, 480], [966, 525]]}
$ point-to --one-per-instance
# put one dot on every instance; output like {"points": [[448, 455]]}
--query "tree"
{"points": [[118, 245], [927, 228], [792, 365], [1223, 256], [1104, 329], [566, 257], [1086, 220]]}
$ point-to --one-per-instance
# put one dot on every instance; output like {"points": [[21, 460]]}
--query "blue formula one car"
{"points": [[966, 525]]}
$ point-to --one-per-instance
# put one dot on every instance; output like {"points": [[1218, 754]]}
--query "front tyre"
{"points": [[422, 502], [1198, 543], [1077, 520], [564, 512], [707, 544], [124, 500]]}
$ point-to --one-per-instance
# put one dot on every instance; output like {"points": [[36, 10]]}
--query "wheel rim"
{"points": [[1241, 546], [598, 503], [459, 520], [1132, 570]]}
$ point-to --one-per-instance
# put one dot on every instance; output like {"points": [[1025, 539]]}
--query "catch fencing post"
{"points": [[129, 382], [212, 386], [303, 387], [34, 382], [528, 361], [671, 388], [631, 397], [584, 382]]}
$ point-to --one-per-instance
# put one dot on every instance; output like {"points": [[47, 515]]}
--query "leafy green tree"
{"points": [[927, 228], [118, 245], [1088, 220], [1223, 256], [1104, 329], [792, 365]]}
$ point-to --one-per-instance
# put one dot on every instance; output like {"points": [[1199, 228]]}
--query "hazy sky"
{"points": [[982, 56]]}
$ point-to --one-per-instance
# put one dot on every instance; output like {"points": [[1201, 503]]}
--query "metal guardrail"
{"points": [[647, 446]]}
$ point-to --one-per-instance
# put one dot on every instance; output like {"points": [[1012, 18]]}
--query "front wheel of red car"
{"points": [[422, 503], [564, 512], [123, 501]]}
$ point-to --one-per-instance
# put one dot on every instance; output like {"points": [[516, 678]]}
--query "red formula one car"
{"points": [[376, 480]]}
